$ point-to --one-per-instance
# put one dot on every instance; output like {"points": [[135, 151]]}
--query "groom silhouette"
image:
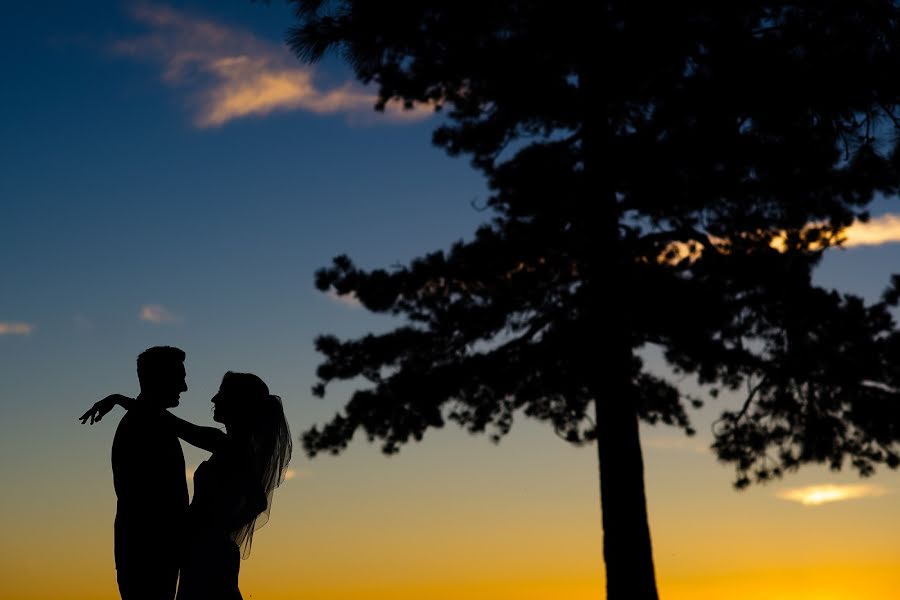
{"points": [[149, 477]]}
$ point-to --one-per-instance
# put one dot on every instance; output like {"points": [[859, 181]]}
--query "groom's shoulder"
{"points": [[134, 433], [130, 419], [128, 428], [135, 422]]}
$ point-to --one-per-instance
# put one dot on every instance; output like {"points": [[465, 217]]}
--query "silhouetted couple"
{"points": [[157, 534]]}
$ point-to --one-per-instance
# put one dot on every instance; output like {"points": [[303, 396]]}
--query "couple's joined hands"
{"points": [[102, 407]]}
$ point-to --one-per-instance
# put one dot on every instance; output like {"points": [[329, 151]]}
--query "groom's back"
{"points": [[149, 478]]}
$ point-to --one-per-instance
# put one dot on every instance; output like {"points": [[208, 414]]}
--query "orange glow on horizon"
{"points": [[825, 582]]}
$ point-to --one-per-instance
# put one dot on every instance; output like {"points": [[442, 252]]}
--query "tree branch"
{"points": [[749, 400]]}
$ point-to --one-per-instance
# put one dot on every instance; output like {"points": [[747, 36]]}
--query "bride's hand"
{"points": [[101, 407]]}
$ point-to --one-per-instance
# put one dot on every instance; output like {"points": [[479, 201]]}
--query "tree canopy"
{"points": [[663, 174]]}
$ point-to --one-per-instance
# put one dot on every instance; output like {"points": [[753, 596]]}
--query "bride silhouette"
{"points": [[233, 489]]}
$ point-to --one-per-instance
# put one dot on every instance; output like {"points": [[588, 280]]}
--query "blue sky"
{"points": [[174, 176], [114, 197], [128, 224]]}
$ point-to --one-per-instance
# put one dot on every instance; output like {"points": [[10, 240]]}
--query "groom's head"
{"points": [[161, 374]]}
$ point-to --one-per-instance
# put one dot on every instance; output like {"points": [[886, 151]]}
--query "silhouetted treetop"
{"points": [[731, 144]]}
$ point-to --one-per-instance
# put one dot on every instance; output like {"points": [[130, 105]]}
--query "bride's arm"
{"points": [[101, 407], [205, 438]]}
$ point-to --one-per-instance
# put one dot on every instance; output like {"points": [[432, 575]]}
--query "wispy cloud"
{"points": [[230, 73], [15, 328], [346, 299], [157, 314], [814, 495], [883, 229], [295, 474]]}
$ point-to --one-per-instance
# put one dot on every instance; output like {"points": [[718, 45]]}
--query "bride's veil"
{"points": [[270, 449]]}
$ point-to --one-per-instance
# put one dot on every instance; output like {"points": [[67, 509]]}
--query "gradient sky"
{"points": [[174, 176]]}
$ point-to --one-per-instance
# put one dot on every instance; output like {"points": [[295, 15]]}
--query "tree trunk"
{"points": [[626, 531]]}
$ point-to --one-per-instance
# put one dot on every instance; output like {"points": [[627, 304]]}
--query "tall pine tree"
{"points": [[662, 174]]}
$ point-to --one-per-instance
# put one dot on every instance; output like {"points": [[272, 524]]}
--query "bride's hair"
{"points": [[268, 440]]}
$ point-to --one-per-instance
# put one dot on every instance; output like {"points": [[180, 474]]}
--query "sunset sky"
{"points": [[171, 174]]}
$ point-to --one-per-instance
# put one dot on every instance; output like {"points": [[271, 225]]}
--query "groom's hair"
{"points": [[157, 361]]}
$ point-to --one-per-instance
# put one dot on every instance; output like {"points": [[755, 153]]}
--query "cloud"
{"points": [[232, 74], [884, 229], [814, 495], [294, 474], [158, 314], [346, 299], [15, 328]]}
